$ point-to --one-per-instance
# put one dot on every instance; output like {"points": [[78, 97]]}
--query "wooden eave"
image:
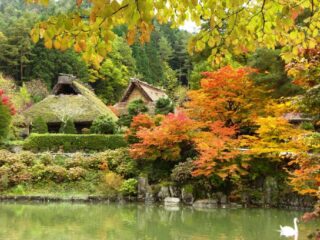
{"points": [[131, 87]]}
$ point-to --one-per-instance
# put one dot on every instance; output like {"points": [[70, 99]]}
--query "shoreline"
{"points": [[44, 199]]}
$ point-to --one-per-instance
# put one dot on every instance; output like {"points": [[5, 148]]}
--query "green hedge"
{"points": [[73, 142]]}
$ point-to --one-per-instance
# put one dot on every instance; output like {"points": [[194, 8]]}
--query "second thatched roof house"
{"points": [[140, 90], [69, 99]]}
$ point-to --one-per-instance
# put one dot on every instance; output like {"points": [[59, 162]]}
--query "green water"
{"points": [[122, 222]]}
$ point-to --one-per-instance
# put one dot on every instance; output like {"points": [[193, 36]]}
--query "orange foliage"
{"points": [[139, 122], [163, 140], [214, 143], [306, 178], [216, 151], [209, 124], [227, 95]]}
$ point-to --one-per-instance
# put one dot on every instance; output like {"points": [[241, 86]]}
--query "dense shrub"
{"points": [[68, 127], [125, 120], [46, 158], [307, 126], [103, 125], [120, 162], [129, 186], [113, 182], [38, 172], [164, 106], [14, 173], [137, 106], [181, 173], [80, 170], [73, 142], [39, 126], [5, 119], [56, 173], [76, 173], [134, 108], [94, 162]]}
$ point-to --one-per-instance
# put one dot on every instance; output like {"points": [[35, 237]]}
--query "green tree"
{"points": [[103, 125], [137, 106], [272, 74], [16, 48], [196, 76], [228, 27], [68, 127], [164, 106], [39, 126], [165, 49], [310, 103], [134, 108], [111, 79], [169, 81], [47, 64]]}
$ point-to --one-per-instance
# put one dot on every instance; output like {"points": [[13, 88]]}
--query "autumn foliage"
{"points": [[210, 124], [227, 95], [5, 101], [164, 140], [6, 110], [305, 179]]}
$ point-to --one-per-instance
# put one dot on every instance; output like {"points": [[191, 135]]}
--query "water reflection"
{"points": [[128, 222]]}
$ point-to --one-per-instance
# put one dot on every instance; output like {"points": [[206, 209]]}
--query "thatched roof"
{"points": [[69, 98], [151, 93], [296, 117]]}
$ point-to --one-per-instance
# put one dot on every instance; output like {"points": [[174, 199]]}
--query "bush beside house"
{"points": [[73, 142]]}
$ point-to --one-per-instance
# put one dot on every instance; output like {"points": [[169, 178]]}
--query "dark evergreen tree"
{"points": [[68, 127], [164, 106], [272, 75], [39, 126], [47, 64]]}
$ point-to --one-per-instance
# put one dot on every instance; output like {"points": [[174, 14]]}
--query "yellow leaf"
{"points": [[200, 45], [35, 35], [56, 44], [211, 42], [77, 47], [315, 32], [48, 43]]}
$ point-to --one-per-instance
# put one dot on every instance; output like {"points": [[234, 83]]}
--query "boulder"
{"points": [[144, 190], [205, 203], [142, 187], [171, 201]]}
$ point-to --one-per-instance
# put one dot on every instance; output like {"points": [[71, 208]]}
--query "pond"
{"points": [[67, 221]]}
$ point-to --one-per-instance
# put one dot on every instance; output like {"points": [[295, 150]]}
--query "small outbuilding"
{"points": [[136, 90], [69, 99], [296, 118]]}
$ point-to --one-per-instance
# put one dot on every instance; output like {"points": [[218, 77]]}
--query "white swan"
{"points": [[289, 231]]}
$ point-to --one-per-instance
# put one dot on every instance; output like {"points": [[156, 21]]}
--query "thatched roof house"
{"points": [[296, 118], [140, 90], [69, 99]]}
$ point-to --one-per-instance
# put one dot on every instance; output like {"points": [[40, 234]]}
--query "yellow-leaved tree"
{"points": [[228, 27]]}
